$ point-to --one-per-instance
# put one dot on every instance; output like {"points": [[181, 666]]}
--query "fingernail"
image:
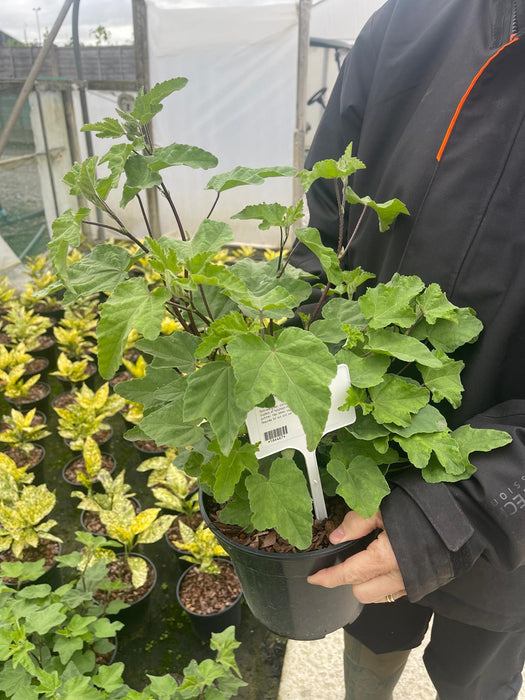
{"points": [[337, 535]]}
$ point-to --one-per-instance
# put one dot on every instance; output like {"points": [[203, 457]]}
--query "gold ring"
{"points": [[390, 598]]}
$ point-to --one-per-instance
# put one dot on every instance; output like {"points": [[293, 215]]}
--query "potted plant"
{"points": [[38, 269], [116, 492], [86, 416], [87, 468], [50, 635], [74, 372], [24, 526], [173, 491], [209, 591], [234, 363], [21, 435], [131, 529], [7, 293], [24, 325], [23, 393]]}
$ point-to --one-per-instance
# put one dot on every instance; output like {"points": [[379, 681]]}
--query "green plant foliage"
{"points": [[229, 351]]}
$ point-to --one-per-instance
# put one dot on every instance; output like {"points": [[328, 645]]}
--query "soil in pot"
{"points": [[37, 396], [275, 581], [91, 522], [63, 400], [101, 437], [26, 459], [134, 597], [46, 550], [172, 535], [213, 601], [150, 447], [46, 346], [91, 371], [76, 465], [120, 377], [37, 365], [38, 419]]}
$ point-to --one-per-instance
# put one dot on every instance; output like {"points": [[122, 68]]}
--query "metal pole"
{"points": [[305, 8], [83, 103], [33, 73], [46, 148]]}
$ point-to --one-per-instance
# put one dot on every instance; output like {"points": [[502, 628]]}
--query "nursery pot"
{"points": [[96, 484], [28, 403], [203, 625], [135, 610], [278, 594]]}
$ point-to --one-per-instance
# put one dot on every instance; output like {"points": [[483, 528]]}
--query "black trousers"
{"points": [[463, 662]]}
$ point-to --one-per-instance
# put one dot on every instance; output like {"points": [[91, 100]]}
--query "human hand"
{"points": [[374, 573]]}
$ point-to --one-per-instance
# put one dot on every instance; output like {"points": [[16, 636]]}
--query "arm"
{"points": [[434, 533]]}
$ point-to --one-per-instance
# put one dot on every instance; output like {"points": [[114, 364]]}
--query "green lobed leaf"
{"points": [[282, 501], [387, 212], [395, 400], [108, 128], [173, 351], [435, 305], [148, 104], [237, 511], [330, 169], [419, 448], [166, 426], [296, 367], [100, 271], [435, 473], [365, 371], [131, 306], [211, 395], [240, 176], [392, 303], [229, 469], [480, 439], [444, 382], [142, 390], [447, 335], [311, 238], [181, 154], [360, 483], [271, 214], [220, 332], [404, 347], [139, 174], [116, 159], [66, 231], [427, 420]]}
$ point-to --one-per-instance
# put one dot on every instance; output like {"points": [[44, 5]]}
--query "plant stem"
{"points": [[345, 251], [205, 302], [180, 317], [174, 210], [144, 216], [122, 231], [319, 305], [340, 209], [214, 205]]}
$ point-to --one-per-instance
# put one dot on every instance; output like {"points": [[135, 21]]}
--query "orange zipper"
{"points": [[469, 89]]}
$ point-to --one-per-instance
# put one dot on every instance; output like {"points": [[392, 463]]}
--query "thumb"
{"points": [[355, 526]]}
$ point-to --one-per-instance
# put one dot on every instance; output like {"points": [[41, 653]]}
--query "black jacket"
{"points": [[433, 98]]}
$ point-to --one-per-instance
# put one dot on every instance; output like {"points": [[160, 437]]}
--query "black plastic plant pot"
{"points": [[97, 486], [52, 575], [278, 594], [204, 625], [134, 613], [25, 405]]}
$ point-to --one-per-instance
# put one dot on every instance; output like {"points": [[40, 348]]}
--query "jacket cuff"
{"points": [[431, 537]]}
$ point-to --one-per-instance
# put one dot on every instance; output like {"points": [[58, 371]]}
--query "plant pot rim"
{"points": [[33, 402], [207, 615], [282, 556], [78, 456]]}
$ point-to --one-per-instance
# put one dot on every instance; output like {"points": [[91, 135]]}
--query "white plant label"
{"points": [[277, 428]]}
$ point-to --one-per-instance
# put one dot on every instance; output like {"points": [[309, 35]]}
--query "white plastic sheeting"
{"points": [[240, 57], [241, 62]]}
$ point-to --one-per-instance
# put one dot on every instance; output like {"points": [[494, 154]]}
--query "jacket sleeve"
{"points": [[339, 126], [439, 531]]}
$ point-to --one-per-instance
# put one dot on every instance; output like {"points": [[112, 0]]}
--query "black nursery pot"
{"points": [[204, 625], [278, 594]]}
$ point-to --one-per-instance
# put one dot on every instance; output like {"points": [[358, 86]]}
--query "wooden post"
{"points": [[305, 7]]}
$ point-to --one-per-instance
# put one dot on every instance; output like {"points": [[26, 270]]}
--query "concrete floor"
{"points": [[314, 671]]}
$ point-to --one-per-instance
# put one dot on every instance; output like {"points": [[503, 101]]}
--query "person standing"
{"points": [[432, 96]]}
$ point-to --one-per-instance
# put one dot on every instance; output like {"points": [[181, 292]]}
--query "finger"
{"points": [[377, 559], [355, 526], [377, 589]]}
